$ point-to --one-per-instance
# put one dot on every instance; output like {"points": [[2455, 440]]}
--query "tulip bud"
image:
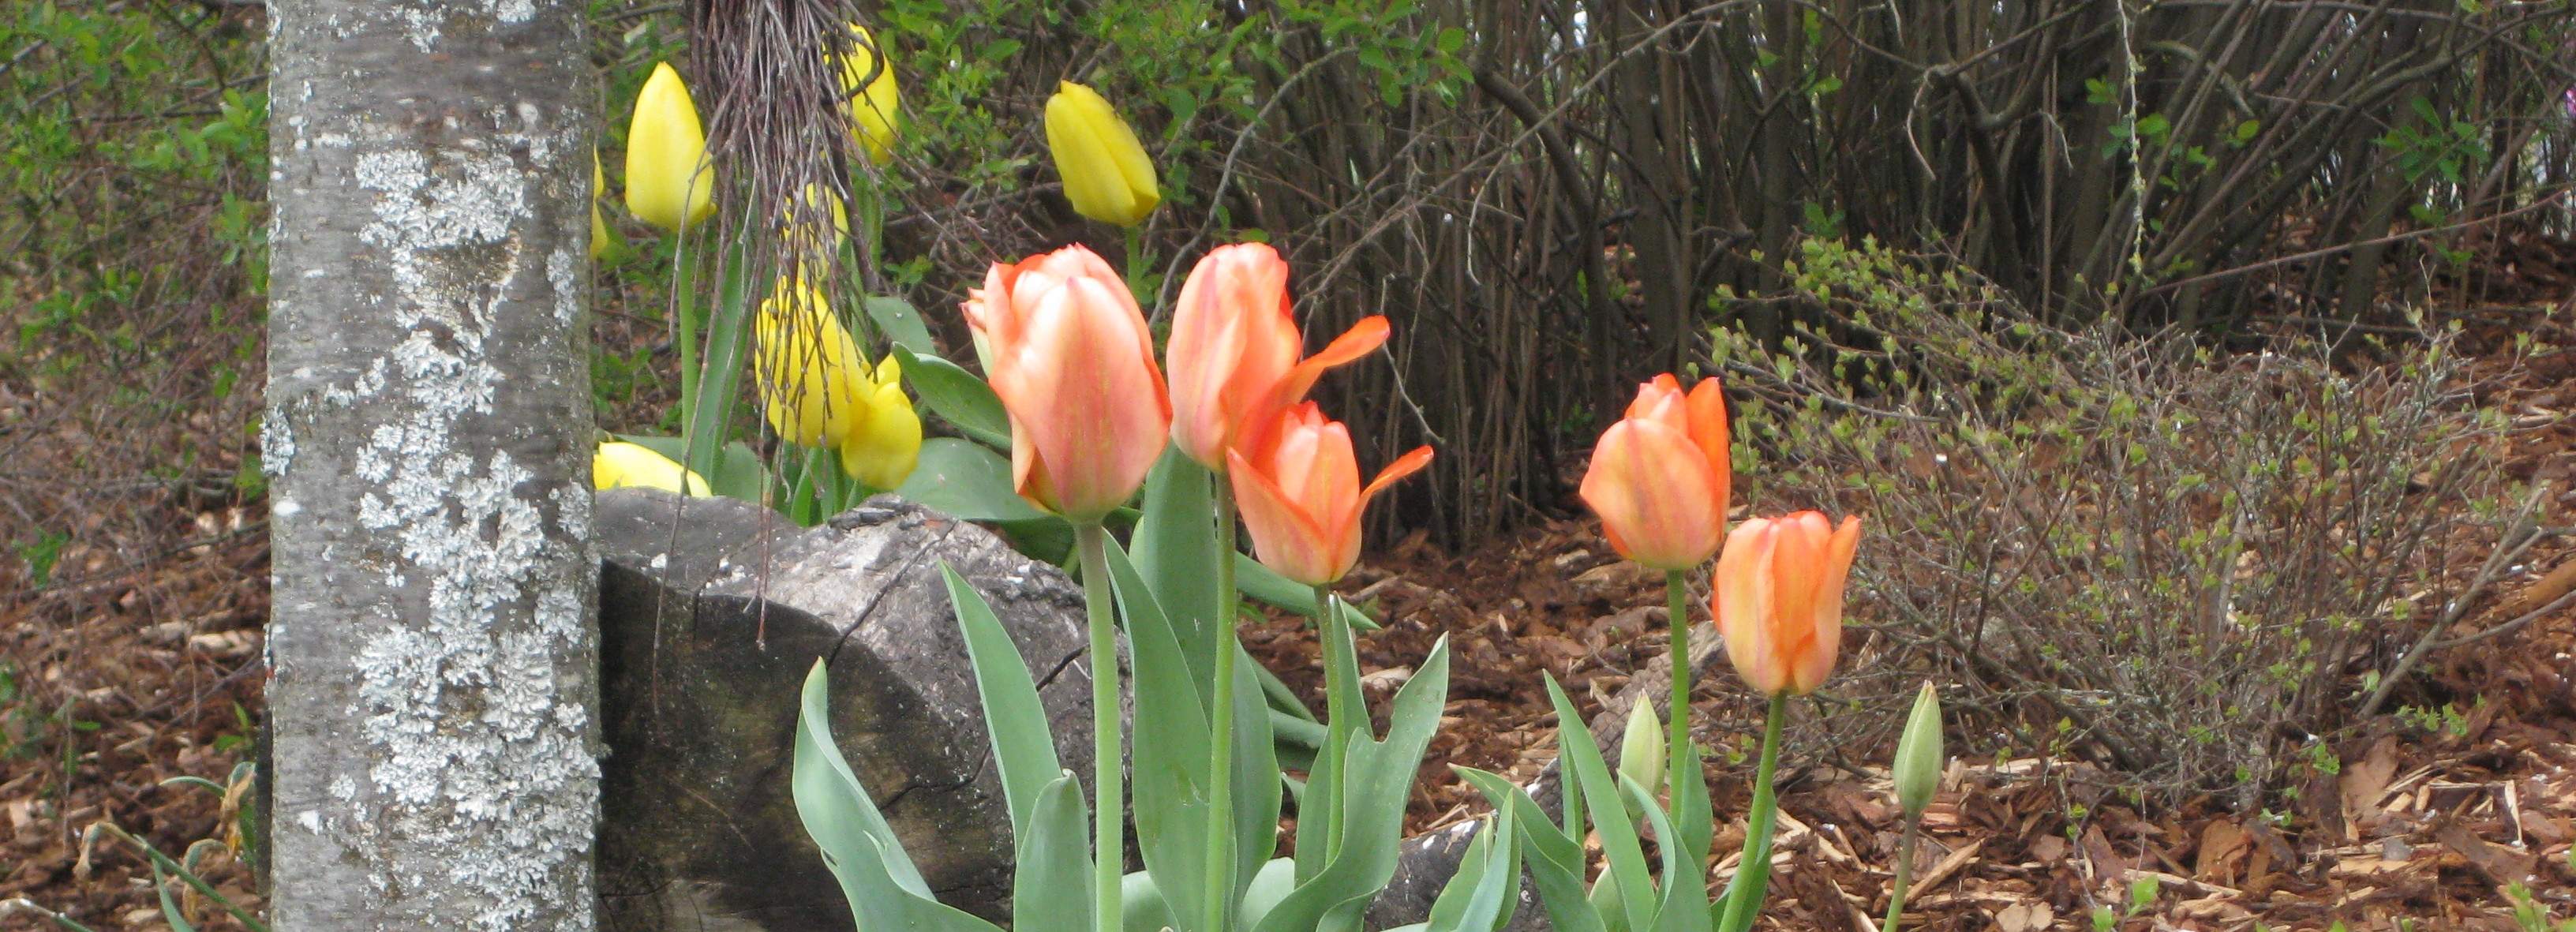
{"points": [[1659, 477], [619, 465], [882, 451], [1918, 754], [872, 111], [811, 377], [1106, 173], [1073, 363], [1778, 598], [665, 182], [1302, 499], [1641, 748]]}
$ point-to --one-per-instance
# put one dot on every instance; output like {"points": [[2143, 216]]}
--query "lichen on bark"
{"points": [[427, 438]]}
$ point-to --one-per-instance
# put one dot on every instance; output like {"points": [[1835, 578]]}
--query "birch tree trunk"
{"points": [[428, 441]]}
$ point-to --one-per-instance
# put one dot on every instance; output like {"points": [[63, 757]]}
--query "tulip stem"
{"points": [[1744, 893], [684, 326], [1677, 741], [1136, 265], [1904, 872], [1107, 766], [1220, 839]]}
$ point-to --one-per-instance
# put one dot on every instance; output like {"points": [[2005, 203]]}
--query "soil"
{"points": [[126, 670]]}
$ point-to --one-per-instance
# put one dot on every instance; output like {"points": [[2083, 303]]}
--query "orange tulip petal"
{"points": [[1741, 599], [1649, 483], [1232, 340], [1406, 465], [1283, 536], [1362, 339], [1708, 428]]}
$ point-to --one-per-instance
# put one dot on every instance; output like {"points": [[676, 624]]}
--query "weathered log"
{"points": [[712, 611]]}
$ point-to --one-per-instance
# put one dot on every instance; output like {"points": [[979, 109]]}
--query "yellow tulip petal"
{"points": [[665, 183], [618, 464]]}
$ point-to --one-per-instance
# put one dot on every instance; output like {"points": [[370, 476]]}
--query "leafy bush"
{"points": [[2130, 548]]}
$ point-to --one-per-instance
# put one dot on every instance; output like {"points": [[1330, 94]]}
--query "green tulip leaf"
{"points": [[902, 324], [958, 397], [1684, 906], [1141, 905], [1555, 858], [1635, 888], [1480, 897], [967, 480], [1169, 761], [838, 814], [1023, 746], [1264, 583], [1270, 884], [1051, 880], [1375, 780], [1175, 551]]}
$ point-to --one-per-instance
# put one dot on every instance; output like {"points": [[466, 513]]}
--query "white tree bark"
{"points": [[428, 441]]}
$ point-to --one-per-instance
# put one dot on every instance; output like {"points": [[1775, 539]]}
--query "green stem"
{"points": [[1677, 739], [1136, 266], [684, 323], [1220, 838], [1904, 873], [1108, 809], [1744, 894]]}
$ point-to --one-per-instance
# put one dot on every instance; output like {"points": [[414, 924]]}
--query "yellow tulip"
{"points": [[1106, 174], [600, 237], [872, 113], [665, 182], [812, 379], [803, 218], [882, 452], [620, 465]]}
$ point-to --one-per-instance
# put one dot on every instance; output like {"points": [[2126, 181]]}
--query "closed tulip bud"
{"points": [[1234, 350], [1918, 754], [1302, 499], [1641, 748], [872, 110], [666, 184], [1779, 599], [1659, 477], [1106, 174], [882, 451], [1070, 356], [812, 380], [621, 465]]}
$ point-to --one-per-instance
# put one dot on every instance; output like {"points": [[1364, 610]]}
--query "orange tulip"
{"points": [[1074, 366], [1302, 499], [1234, 351], [1779, 599], [1659, 477]]}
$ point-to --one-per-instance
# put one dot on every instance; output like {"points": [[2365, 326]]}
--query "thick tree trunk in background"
{"points": [[428, 439]]}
